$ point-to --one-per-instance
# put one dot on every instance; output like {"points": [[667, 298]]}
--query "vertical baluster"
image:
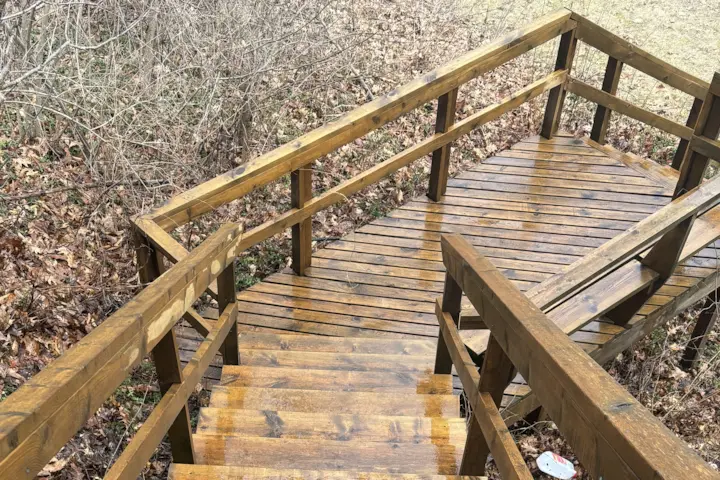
{"points": [[610, 85], [451, 303], [301, 192], [166, 356], [226, 296], [556, 97], [496, 374], [664, 255], [441, 157], [691, 121]]}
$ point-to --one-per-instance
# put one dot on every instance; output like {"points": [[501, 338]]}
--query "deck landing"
{"points": [[532, 210]]}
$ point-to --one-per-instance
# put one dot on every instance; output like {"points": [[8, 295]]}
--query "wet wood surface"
{"points": [[533, 210]]}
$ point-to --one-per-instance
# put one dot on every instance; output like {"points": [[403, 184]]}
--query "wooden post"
{"points": [[692, 169], [665, 254], [556, 97], [682, 146], [226, 296], [496, 374], [610, 85], [166, 356], [441, 157], [301, 192], [705, 322], [451, 303]]}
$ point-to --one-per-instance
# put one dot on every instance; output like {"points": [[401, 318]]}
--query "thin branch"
{"points": [[82, 186]]}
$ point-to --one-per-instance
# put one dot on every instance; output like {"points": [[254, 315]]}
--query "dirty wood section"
{"points": [[532, 210]]}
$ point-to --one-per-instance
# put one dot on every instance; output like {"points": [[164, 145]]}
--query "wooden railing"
{"points": [[42, 415], [613, 435], [697, 137]]}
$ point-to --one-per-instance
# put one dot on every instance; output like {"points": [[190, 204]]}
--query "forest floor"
{"points": [[66, 253]]}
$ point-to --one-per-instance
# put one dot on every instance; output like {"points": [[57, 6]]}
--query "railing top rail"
{"points": [[40, 417], [612, 434], [272, 165], [619, 48]]}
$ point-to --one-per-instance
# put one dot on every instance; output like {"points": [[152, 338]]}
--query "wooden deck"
{"points": [[532, 210]]}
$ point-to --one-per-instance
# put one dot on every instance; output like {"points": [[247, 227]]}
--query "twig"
{"points": [[40, 193]]}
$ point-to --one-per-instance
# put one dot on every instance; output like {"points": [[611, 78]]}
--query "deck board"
{"points": [[532, 210]]}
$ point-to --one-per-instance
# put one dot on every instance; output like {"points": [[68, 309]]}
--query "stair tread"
{"points": [[335, 402], [337, 361], [336, 380], [227, 472], [332, 426], [315, 454], [316, 343]]}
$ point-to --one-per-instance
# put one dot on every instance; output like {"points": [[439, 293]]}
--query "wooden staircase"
{"points": [[301, 406]]}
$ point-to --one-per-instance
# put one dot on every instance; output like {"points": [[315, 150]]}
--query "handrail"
{"points": [[43, 414], [358, 122], [612, 434]]}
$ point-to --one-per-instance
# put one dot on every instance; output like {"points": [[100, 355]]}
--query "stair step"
{"points": [[326, 426], [316, 343], [318, 401], [317, 454], [336, 380], [180, 471], [337, 361]]}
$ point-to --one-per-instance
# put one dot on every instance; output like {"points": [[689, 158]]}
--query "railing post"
{"points": [[556, 97], [691, 121], [301, 192], [496, 374], [226, 296], [610, 85], [166, 356], [452, 304], [692, 168], [441, 157]]}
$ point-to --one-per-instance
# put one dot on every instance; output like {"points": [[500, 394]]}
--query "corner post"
{"points": [[166, 355], [496, 374], [441, 157], [683, 145], [226, 295], [451, 303], [556, 97], [301, 192], [610, 85]]}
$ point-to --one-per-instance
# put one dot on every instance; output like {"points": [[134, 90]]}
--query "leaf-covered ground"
{"points": [[66, 254]]}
